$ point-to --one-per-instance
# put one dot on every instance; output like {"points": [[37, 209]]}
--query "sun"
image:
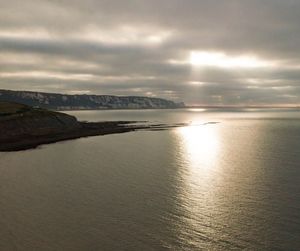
{"points": [[221, 60]]}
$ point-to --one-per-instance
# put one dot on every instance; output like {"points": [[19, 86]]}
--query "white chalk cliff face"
{"points": [[69, 102]]}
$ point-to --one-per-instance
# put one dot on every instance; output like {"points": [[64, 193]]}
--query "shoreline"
{"points": [[86, 129], [23, 127]]}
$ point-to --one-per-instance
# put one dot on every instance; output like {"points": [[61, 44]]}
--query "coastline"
{"points": [[23, 127], [86, 129]]}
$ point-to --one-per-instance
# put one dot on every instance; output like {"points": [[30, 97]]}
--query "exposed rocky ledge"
{"points": [[23, 127]]}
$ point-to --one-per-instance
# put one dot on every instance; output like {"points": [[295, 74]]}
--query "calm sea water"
{"points": [[234, 185]]}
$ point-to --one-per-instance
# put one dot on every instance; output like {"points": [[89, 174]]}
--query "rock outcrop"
{"points": [[17, 120], [23, 127]]}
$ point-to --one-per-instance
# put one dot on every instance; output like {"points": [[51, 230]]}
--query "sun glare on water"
{"points": [[201, 143]]}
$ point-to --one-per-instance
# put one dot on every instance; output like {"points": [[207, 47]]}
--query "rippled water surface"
{"points": [[230, 185]]}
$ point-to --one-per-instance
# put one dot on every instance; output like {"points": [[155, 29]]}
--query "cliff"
{"points": [[77, 102]]}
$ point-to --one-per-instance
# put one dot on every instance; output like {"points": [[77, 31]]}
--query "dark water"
{"points": [[234, 185]]}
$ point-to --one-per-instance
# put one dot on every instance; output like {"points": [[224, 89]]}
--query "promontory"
{"points": [[24, 127]]}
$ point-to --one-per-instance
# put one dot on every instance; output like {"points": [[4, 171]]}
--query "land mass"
{"points": [[85, 102], [23, 127]]}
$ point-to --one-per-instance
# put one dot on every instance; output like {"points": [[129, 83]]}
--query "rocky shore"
{"points": [[23, 127]]}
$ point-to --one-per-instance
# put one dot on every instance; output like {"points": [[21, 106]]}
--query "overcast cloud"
{"points": [[144, 47]]}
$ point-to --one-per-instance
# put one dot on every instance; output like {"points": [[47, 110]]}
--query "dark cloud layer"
{"points": [[141, 47]]}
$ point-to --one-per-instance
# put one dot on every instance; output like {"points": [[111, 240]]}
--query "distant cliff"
{"points": [[75, 102]]}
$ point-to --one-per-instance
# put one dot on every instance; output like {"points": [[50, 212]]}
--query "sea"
{"points": [[227, 180]]}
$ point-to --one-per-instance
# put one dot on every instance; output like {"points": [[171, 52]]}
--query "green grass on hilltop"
{"points": [[9, 108], [12, 110]]}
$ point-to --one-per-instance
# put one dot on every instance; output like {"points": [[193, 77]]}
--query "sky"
{"points": [[202, 52]]}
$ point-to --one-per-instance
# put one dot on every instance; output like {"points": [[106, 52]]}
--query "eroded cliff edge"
{"points": [[65, 102]]}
